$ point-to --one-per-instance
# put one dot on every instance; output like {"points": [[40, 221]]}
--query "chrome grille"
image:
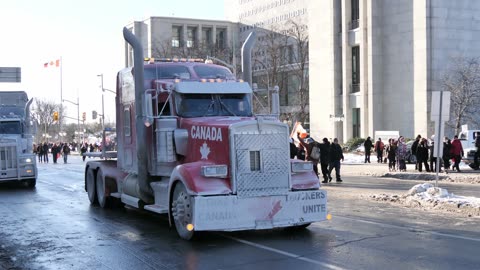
{"points": [[262, 163], [8, 157]]}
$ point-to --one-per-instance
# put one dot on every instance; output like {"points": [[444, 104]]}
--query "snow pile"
{"points": [[429, 197]]}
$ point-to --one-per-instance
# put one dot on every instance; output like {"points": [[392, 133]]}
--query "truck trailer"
{"points": [[17, 160], [189, 146]]}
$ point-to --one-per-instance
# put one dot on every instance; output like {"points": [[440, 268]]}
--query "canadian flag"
{"points": [[55, 63], [298, 129]]}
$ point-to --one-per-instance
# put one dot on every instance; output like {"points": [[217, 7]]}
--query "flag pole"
{"points": [[61, 83]]}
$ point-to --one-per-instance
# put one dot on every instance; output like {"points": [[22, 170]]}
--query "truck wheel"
{"points": [[182, 211], [103, 199], [31, 182], [91, 190]]}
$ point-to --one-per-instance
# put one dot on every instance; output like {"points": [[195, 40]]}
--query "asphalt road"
{"points": [[54, 227]]}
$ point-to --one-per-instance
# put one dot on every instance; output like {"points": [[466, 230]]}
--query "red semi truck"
{"points": [[189, 146]]}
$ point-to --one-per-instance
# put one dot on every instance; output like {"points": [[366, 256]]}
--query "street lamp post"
{"points": [[78, 110], [103, 116]]}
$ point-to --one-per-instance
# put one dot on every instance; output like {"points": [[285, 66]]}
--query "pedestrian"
{"points": [[325, 160], [83, 150], [414, 148], [422, 155], [379, 146], [293, 150], [457, 152], [312, 152], [336, 154], [40, 152], [476, 164], [45, 152], [391, 153], [368, 148], [66, 152], [433, 159], [55, 152], [447, 145], [401, 154]]}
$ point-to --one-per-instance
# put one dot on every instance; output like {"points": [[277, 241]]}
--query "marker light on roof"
{"points": [[203, 80], [219, 80], [208, 61], [177, 80], [211, 80]]}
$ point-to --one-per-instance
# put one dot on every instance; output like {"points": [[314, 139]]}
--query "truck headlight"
{"points": [[298, 167], [25, 160], [215, 171]]}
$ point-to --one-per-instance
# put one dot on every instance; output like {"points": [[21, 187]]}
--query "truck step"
{"points": [[116, 195], [132, 201], [156, 208]]}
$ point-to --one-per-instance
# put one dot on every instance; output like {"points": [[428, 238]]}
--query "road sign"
{"points": [[10, 74]]}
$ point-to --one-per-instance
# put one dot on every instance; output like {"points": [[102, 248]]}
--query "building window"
{"points": [[176, 34], [191, 36], [355, 14], [355, 69], [356, 122], [207, 36], [220, 39]]}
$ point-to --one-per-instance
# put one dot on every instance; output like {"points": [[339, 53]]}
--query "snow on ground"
{"points": [[425, 195], [434, 198]]}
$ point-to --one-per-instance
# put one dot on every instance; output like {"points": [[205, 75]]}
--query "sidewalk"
{"points": [[353, 166]]}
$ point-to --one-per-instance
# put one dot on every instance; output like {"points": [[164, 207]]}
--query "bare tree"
{"points": [[42, 115], [281, 58], [298, 34], [463, 82]]}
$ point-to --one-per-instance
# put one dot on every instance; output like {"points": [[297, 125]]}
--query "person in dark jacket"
{"points": [[336, 154], [293, 150], [325, 159], [447, 145], [422, 155], [66, 152], [391, 152], [83, 150], [45, 152], [414, 148], [368, 149], [55, 152], [476, 164]]}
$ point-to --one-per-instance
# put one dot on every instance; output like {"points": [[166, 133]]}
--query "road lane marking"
{"points": [[281, 252], [413, 229]]}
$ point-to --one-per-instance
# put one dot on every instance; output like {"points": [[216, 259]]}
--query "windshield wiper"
{"points": [[226, 107], [212, 103]]}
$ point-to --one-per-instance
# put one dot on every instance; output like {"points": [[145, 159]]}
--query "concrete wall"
{"points": [[322, 68], [393, 96]]}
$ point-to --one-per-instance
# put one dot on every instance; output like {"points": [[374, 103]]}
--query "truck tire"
{"points": [[31, 182], [182, 211], [102, 198], [91, 186]]}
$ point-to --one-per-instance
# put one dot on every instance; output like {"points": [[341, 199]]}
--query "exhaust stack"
{"points": [[247, 57], [145, 192]]}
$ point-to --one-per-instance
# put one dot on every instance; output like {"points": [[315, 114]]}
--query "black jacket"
{"points": [[422, 153], [325, 152], [368, 145], [336, 152]]}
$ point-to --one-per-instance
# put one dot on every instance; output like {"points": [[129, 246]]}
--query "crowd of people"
{"points": [[424, 151], [327, 154], [62, 150]]}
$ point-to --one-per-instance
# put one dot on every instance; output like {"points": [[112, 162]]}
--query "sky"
{"points": [[87, 36]]}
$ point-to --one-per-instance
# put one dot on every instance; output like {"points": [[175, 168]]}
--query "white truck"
{"points": [[17, 160], [467, 137]]}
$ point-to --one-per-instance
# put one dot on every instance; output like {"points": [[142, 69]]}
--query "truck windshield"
{"points": [[212, 72], [10, 127], [199, 105], [166, 72]]}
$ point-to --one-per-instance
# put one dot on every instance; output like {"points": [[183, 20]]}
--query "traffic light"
{"points": [[55, 116], [84, 116], [94, 114]]}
